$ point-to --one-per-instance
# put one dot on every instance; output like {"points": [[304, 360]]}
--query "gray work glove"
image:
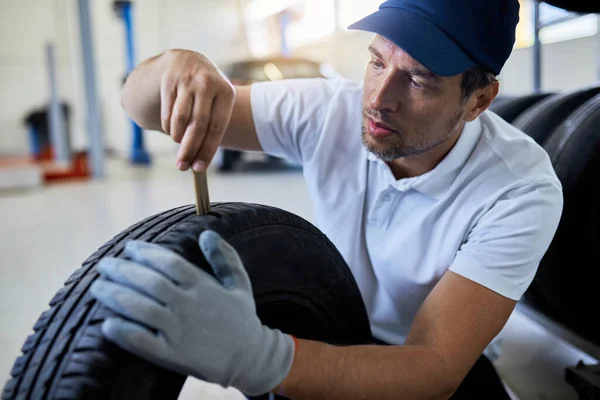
{"points": [[200, 326]]}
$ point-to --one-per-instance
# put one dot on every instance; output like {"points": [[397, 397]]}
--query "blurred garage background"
{"points": [[75, 171]]}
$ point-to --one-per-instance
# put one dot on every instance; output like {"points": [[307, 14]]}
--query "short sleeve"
{"points": [[289, 115], [504, 248]]}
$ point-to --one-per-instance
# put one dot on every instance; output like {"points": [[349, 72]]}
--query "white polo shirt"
{"points": [[488, 211]]}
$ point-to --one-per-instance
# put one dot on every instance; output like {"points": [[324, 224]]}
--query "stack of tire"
{"points": [[567, 125]]}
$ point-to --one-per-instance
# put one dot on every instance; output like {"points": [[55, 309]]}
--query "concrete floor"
{"points": [[46, 233]]}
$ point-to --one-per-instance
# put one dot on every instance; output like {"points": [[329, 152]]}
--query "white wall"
{"points": [[209, 26], [565, 65], [22, 78], [345, 51]]}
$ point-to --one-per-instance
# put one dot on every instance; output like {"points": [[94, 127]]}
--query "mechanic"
{"points": [[441, 209]]}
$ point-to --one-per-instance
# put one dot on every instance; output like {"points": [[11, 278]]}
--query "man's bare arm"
{"points": [[185, 95], [140, 96], [453, 327]]}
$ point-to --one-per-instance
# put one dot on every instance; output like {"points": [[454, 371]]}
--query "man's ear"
{"points": [[480, 101]]}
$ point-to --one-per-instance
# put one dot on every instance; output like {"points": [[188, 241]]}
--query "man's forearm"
{"points": [[322, 371], [141, 93]]}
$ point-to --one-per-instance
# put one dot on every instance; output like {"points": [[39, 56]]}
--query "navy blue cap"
{"points": [[448, 36]]}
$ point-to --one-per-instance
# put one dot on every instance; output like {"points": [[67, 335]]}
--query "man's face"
{"points": [[407, 110]]}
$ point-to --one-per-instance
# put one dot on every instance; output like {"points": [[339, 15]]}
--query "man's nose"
{"points": [[386, 95]]}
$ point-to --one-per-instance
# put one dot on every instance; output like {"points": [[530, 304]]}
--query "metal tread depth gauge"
{"points": [[201, 188]]}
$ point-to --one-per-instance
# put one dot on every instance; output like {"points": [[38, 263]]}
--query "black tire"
{"points": [[300, 281], [501, 99], [509, 110], [579, 6], [566, 285], [543, 118]]}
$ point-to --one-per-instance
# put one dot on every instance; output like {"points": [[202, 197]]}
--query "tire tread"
{"points": [[66, 357]]}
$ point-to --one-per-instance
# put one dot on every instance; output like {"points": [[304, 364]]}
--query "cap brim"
{"points": [[420, 38]]}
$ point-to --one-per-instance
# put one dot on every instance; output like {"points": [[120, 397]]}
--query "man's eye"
{"points": [[376, 63], [416, 84]]}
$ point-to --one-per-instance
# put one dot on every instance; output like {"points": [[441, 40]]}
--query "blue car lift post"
{"points": [[124, 10], [94, 126]]}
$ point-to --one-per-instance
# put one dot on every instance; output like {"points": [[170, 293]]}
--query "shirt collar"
{"points": [[436, 182]]}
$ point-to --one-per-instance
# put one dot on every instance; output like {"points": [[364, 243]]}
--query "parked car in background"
{"points": [[266, 69]]}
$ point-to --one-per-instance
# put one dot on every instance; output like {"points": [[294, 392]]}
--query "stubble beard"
{"points": [[391, 151]]}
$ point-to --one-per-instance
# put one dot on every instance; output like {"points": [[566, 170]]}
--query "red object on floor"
{"points": [[46, 153], [78, 169]]}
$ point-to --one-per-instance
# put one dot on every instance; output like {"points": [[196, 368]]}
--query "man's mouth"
{"points": [[378, 129]]}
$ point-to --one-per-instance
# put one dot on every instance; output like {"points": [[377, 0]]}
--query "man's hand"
{"points": [[177, 316], [196, 105], [185, 95]]}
